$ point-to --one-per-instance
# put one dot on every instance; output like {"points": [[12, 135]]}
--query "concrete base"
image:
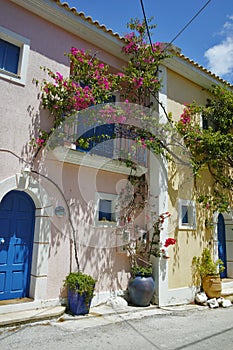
{"points": [[14, 318]]}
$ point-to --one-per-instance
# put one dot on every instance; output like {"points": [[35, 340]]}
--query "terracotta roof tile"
{"points": [[116, 35], [88, 19], [197, 65]]}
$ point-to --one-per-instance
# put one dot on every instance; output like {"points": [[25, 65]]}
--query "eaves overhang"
{"points": [[76, 23], [194, 72], [93, 32]]}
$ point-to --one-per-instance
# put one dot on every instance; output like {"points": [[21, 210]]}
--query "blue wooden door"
{"points": [[222, 244], [17, 221]]}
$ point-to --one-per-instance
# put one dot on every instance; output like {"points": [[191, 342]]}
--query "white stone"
{"points": [[201, 298], [220, 300], [213, 303], [116, 302], [226, 303]]}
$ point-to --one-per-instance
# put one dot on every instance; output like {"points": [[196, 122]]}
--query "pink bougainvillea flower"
{"points": [[39, 141], [59, 76]]}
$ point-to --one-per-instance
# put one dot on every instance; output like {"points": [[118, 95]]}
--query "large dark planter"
{"points": [[77, 303], [141, 290]]}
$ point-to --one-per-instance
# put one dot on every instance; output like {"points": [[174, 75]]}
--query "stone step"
{"points": [[227, 293], [227, 283], [33, 315]]}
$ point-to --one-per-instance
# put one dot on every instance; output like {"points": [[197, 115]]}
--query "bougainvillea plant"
{"points": [[211, 146], [91, 82], [141, 72]]}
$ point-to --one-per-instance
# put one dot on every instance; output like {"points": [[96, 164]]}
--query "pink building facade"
{"points": [[53, 198]]}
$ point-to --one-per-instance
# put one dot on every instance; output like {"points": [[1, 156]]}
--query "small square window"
{"points": [[187, 214], [105, 209], [14, 54]]}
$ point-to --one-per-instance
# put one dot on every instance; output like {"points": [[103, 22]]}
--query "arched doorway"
{"points": [[17, 222], [222, 244]]}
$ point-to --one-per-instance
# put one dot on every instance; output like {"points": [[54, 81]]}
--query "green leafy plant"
{"points": [[143, 271], [205, 266], [81, 283], [211, 146]]}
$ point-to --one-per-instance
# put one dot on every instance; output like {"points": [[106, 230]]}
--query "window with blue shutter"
{"points": [[9, 56], [98, 139], [105, 208]]}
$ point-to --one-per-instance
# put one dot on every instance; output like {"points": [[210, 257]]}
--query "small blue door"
{"points": [[222, 244], [17, 221]]}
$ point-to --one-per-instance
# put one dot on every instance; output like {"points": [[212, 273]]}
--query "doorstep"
{"points": [[32, 315], [227, 289]]}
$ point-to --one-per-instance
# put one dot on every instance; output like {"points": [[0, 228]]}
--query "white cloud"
{"points": [[220, 56]]}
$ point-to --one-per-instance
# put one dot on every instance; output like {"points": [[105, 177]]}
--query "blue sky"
{"points": [[208, 40]]}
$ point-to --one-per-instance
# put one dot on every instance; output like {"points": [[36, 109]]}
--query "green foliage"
{"points": [[80, 283], [211, 147], [219, 109], [204, 266], [143, 271]]}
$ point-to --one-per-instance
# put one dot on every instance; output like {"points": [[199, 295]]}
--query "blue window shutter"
{"points": [[105, 208], [2, 53], [99, 144], [104, 145], [9, 56], [85, 132]]}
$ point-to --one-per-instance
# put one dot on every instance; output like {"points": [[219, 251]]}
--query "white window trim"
{"points": [[24, 45], [107, 196], [191, 225]]}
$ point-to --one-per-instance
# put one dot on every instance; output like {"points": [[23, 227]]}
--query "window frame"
{"points": [[191, 214], [109, 197], [24, 45]]}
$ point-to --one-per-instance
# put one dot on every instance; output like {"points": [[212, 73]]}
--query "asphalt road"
{"points": [[193, 329]]}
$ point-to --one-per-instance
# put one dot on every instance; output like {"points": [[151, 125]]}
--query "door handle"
{"points": [[2, 240]]}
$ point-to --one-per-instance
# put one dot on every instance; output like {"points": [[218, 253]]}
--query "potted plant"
{"points": [[80, 292], [141, 286], [206, 272]]}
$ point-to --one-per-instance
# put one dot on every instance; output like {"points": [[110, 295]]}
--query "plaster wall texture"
{"points": [[181, 91], [20, 105], [21, 118]]}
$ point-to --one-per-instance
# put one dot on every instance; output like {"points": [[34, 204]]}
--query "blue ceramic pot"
{"points": [[77, 303], [141, 290]]}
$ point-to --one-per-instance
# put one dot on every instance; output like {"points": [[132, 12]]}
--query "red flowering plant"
{"points": [[156, 247], [149, 244]]}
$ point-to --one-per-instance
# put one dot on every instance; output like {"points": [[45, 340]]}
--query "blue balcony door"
{"points": [[222, 244], [17, 221]]}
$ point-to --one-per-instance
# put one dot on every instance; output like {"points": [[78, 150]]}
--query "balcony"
{"points": [[116, 151]]}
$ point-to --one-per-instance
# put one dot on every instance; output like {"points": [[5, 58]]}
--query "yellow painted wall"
{"points": [[181, 91]]}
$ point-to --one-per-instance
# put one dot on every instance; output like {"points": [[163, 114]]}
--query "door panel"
{"points": [[17, 221], [222, 244]]}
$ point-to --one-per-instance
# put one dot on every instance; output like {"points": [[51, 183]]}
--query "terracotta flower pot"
{"points": [[212, 286]]}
